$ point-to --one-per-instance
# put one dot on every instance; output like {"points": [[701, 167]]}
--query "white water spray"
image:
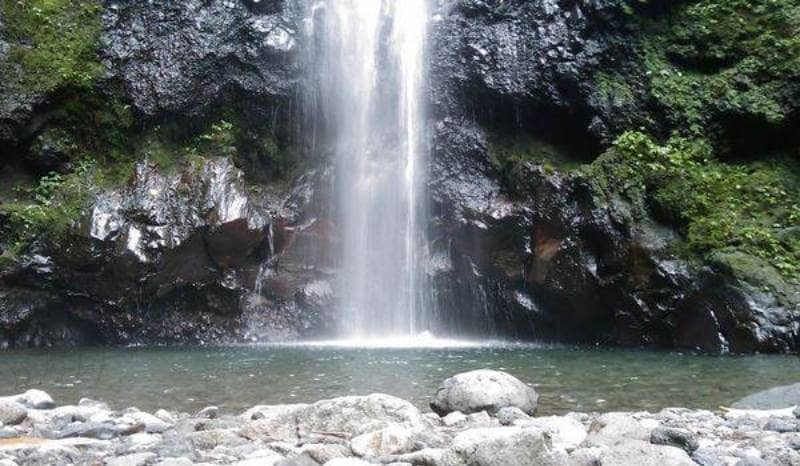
{"points": [[370, 61]]}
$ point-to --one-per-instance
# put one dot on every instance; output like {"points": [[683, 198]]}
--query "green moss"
{"points": [[49, 210], [710, 59], [53, 43], [613, 89], [507, 152], [718, 206], [754, 270], [164, 148]]}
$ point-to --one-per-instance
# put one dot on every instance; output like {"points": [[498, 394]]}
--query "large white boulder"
{"points": [[34, 399], [483, 390], [506, 446], [336, 419]]}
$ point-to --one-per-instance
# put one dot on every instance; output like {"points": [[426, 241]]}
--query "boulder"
{"points": [[335, 420], [507, 446], [176, 461], [623, 425], [12, 413], [152, 424], [785, 396], [782, 425], [94, 430], [323, 453], [565, 432], [483, 390], [393, 440], [675, 437], [36, 399], [620, 451]]}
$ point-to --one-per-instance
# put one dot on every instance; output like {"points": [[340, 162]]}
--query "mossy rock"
{"points": [[717, 68], [54, 43], [758, 273], [52, 148]]}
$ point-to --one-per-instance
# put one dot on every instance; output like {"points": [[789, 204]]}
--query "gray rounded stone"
{"points": [[483, 390], [12, 413], [36, 399], [674, 437], [775, 398]]}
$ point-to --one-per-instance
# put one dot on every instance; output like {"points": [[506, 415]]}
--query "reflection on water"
{"points": [[235, 378]]}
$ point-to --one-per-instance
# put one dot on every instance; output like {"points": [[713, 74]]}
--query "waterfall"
{"points": [[369, 63]]}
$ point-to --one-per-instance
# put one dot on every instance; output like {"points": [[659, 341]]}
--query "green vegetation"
{"points": [[614, 89], [711, 59], [54, 43], [752, 208], [722, 78], [507, 152], [49, 209]]}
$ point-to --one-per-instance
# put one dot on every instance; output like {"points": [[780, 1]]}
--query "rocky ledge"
{"points": [[497, 428]]}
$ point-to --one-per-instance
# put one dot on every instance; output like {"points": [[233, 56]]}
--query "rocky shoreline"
{"points": [[484, 418]]}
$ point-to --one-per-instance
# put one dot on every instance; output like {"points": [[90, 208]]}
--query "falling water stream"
{"points": [[370, 61]]}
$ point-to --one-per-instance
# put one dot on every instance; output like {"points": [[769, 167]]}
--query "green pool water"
{"points": [[234, 378]]}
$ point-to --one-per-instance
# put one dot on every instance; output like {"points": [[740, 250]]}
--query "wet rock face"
{"points": [[181, 56], [514, 61], [536, 253], [515, 265], [545, 255], [297, 287], [177, 58], [168, 258]]}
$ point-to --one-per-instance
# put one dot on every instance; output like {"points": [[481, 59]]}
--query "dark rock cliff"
{"points": [[236, 242]]}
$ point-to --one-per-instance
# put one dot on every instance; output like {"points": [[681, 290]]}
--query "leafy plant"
{"points": [[717, 205]]}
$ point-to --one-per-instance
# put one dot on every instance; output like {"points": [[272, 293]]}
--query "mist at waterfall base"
{"points": [[368, 62]]}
